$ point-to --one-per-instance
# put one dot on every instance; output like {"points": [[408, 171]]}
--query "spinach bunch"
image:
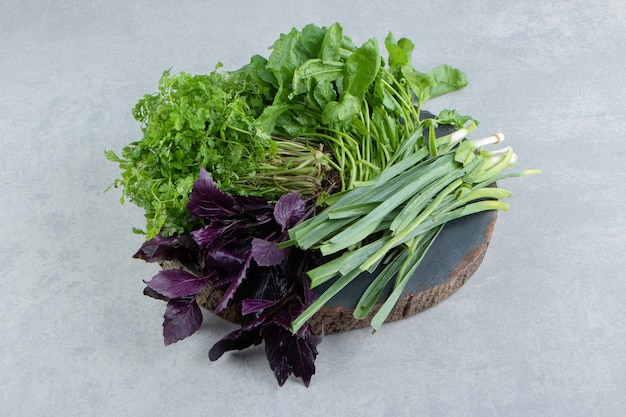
{"points": [[350, 100]]}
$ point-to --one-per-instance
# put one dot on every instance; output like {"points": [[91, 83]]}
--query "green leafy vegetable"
{"points": [[210, 121], [447, 80]]}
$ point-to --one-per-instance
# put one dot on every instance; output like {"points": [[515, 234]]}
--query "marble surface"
{"points": [[538, 330]]}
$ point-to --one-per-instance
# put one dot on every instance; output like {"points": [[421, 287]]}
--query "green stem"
{"points": [[400, 235], [418, 251], [320, 301]]}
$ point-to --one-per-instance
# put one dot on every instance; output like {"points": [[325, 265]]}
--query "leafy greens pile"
{"points": [[317, 163]]}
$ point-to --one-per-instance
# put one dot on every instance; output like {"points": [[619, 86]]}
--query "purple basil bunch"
{"points": [[235, 250]]}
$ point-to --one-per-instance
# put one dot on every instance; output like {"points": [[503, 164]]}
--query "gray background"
{"points": [[538, 330]]}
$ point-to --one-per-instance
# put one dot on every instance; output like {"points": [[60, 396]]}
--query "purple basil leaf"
{"points": [[208, 235], [314, 339], [151, 293], [220, 281], [301, 358], [277, 341], [271, 283], [284, 318], [309, 293], [249, 335], [208, 201], [165, 248], [182, 318], [176, 283], [289, 210], [236, 280], [266, 283], [255, 305], [227, 259], [266, 253], [256, 207], [288, 353]]}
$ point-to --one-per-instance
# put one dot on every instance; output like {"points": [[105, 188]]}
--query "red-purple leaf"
{"points": [[257, 208], [207, 235], [254, 305], [208, 201], [309, 293], [269, 283], [181, 319], [176, 283], [249, 335], [301, 357], [277, 341], [236, 280], [288, 353], [226, 259], [289, 210], [267, 253], [161, 248], [153, 294], [238, 229]]}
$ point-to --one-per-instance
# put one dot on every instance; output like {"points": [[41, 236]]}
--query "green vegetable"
{"points": [[346, 98], [413, 202], [209, 121]]}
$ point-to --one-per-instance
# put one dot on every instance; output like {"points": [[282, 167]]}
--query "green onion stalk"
{"points": [[394, 218]]}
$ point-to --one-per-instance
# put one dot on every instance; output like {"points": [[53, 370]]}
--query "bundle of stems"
{"points": [[393, 219], [296, 167]]}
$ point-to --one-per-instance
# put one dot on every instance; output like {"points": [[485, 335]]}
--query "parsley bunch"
{"points": [[208, 121]]}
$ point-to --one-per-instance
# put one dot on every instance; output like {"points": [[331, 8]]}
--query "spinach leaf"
{"points": [[399, 53], [315, 71], [359, 72], [330, 50], [447, 79], [289, 52]]}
